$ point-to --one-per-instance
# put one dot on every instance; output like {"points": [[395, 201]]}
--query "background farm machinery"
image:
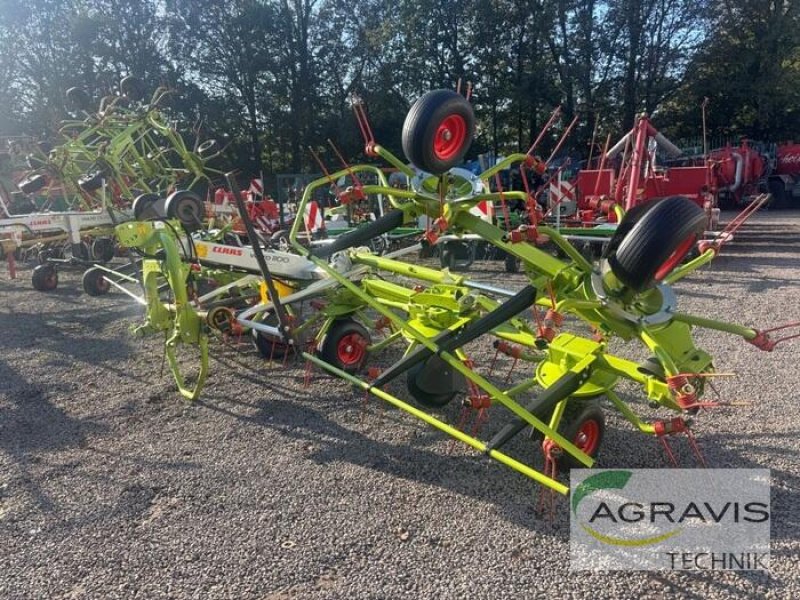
{"points": [[125, 150], [438, 317]]}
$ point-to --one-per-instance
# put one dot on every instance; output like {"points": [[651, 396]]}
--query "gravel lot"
{"points": [[111, 486]]}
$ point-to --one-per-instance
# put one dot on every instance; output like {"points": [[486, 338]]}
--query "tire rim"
{"points": [[588, 436], [351, 349], [450, 137], [102, 284], [675, 258], [51, 280]]}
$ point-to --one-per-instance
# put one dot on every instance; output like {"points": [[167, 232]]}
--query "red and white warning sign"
{"points": [[561, 191], [483, 209], [313, 217], [256, 187]]}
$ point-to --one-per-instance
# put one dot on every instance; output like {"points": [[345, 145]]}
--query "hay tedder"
{"points": [[108, 156], [340, 305]]}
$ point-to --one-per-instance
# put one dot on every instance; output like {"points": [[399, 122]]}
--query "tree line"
{"points": [[272, 78]]}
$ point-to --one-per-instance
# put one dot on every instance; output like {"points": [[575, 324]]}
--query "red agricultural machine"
{"points": [[731, 176]]}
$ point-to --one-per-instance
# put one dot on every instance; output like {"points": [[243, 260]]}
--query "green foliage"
{"points": [[270, 78]]}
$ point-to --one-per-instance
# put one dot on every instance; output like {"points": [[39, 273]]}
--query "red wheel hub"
{"points": [[588, 436], [449, 137], [351, 349], [675, 257]]}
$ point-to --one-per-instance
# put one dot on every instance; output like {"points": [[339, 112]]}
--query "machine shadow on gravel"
{"points": [[32, 425]]}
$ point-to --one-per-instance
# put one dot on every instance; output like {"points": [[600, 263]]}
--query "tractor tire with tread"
{"points": [[645, 249], [438, 131], [345, 345], [94, 282], [44, 278]]}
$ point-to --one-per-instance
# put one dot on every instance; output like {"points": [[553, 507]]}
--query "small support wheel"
{"points": [[434, 383], [345, 345], [95, 283], [103, 249], [44, 278], [269, 346], [32, 184], [91, 181], [584, 424], [438, 131]]}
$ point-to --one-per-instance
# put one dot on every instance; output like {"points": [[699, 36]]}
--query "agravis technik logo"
{"points": [[670, 519]]}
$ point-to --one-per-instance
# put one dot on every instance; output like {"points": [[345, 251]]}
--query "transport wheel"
{"points": [[91, 181], [345, 345], [267, 345], [44, 278], [438, 131], [32, 184], [144, 207], [103, 249], [584, 425], [95, 283], [132, 88], [79, 251], [512, 264], [434, 383], [187, 207], [650, 248], [79, 99]]}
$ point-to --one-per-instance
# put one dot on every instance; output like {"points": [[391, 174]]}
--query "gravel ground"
{"points": [[111, 486]]}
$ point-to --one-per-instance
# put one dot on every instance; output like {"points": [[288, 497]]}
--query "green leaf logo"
{"points": [[611, 480]]}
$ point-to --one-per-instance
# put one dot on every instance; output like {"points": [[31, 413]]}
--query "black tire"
{"points": [[145, 207], [207, 148], [79, 251], [187, 207], [132, 88], [79, 99], [345, 345], [35, 161], [95, 283], [279, 239], [438, 131], [91, 181], [267, 345], [32, 184], [457, 255], [44, 278], [778, 193], [378, 245], [660, 237], [512, 264], [584, 424], [434, 383], [103, 249]]}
